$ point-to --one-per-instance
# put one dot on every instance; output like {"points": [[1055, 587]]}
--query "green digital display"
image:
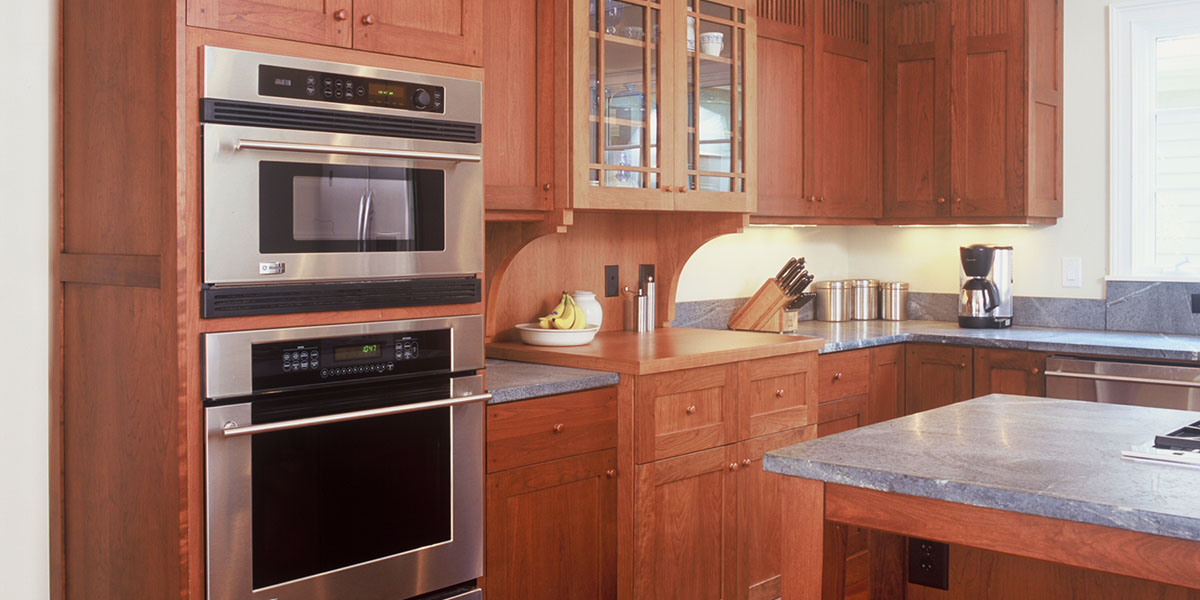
{"points": [[390, 94], [358, 352]]}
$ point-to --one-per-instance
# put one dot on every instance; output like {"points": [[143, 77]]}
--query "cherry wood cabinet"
{"points": [[785, 66], [973, 111], [684, 411], [685, 523], [441, 30], [886, 399], [776, 394], [541, 429], [1017, 372], [551, 530], [936, 375]]}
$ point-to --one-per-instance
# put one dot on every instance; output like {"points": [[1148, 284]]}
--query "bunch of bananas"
{"points": [[567, 315]]}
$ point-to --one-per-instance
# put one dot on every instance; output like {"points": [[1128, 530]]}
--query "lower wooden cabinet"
{"points": [[1019, 372], [685, 524], [936, 375], [552, 530], [887, 383]]}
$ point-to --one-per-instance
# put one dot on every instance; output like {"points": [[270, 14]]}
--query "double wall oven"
{"points": [[345, 462], [329, 186]]}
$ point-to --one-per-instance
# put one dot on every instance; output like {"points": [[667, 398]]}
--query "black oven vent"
{"points": [[279, 299], [232, 112]]}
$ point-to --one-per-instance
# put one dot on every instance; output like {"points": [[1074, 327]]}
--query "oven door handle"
{"points": [[354, 151], [232, 429]]}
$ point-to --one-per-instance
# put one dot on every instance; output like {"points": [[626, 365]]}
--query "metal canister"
{"points": [[833, 300], [864, 299], [894, 301]]}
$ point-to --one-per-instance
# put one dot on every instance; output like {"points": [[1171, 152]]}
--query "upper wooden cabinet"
{"points": [[973, 111], [658, 105], [441, 30]]}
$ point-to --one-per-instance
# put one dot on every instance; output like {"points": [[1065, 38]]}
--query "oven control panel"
{"points": [[285, 82], [303, 362]]}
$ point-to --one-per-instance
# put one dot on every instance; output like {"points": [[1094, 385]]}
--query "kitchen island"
{"points": [[1031, 477]]}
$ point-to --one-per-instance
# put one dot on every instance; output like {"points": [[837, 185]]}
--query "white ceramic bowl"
{"points": [[534, 335]]}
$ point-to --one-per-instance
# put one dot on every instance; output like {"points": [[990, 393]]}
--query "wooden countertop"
{"points": [[667, 349]]}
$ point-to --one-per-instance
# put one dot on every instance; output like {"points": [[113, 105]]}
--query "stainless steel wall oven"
{"points": [[330, 186], [345, 462]]}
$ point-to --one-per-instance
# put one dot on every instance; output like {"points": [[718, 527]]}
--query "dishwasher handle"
{"points": [[1124, 379]]}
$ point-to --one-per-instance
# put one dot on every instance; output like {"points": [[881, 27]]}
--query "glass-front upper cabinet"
{"points": [[659, 96]]}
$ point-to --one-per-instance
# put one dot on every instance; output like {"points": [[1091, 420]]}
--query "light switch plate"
{"points": [[1072, 272]]}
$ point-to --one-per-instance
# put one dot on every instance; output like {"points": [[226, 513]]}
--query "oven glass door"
{"points": [[378, 507], [287, 205]]}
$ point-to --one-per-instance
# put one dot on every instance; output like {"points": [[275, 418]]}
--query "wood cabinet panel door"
{"points": [[443, 30], [845, 374], [325, 22], [1009, 372], [552, 530], [846, 145], [916, 109], [935, 375], [760, 516], [684, 411], [784, 98], [776, 394], [842, 415], [518, 104], [685, 527], [989, 99], [541, 429], [887, 383]]}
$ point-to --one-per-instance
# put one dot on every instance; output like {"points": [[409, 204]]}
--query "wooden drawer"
{"points": [[776, 394], [845, 374], [842, 415], [684, 411], [533, 431]]}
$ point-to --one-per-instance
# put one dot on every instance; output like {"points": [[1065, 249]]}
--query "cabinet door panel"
{"points": [[532, 431], [842, 415], [776, 394], [552, 530], [1009, 372], [845, 374], [313, 21], [442, 30], [684, 411], [760, 514], [887, 383], [936, 376], [783, 98], [685, 523]]}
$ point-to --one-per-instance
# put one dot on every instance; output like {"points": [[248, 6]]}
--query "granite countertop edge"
{"points": [[981, 495], [538, 380]]}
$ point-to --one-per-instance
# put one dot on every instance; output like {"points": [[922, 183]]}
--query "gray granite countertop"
{"points": [[852, 335], [1053, 458], [510, 380]]}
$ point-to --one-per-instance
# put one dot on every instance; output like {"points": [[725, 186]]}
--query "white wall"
{"points": [[928, 257], [29, 43]]}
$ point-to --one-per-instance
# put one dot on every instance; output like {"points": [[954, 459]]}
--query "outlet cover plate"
{"points": [[612, 281], [929, 563]]}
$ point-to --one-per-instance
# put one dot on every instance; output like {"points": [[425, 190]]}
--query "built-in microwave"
{"points": [[329, 186]]}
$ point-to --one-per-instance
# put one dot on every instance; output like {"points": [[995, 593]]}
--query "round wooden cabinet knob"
{"points": [[611, 473], [666, 188], [746, 462], [682, 189], [957, 200], [546, 188], [820, 198], [340, 15], [1036, 370], [812, 198], [368, 19], [558, 428], [691, 410], [733, 466], [962, 365], [941, 201], [778, 393], [837, 376]]}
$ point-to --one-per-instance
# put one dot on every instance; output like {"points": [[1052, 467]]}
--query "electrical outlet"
{"points": [[1195, 304], [1072, 272], [929, 563], [612, 281]]}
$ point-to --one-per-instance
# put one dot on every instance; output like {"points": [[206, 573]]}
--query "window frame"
{"points": [[1134, 27]]}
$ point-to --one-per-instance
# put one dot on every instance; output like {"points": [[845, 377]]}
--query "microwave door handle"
{"points": [[355, 151], [232, 429]]}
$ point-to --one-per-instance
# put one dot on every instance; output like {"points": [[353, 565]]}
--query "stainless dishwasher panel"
{"points": [[1112, 382]]}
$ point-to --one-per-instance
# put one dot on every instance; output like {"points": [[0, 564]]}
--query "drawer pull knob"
{"points": [[691, 410], [1036, 370], [746, 462], [733, 466], [546, 188], [368, 19], [778, 393], [837, 376], [962, 365], [941, 200], [558, 428], [340, 15], [611, 473]]}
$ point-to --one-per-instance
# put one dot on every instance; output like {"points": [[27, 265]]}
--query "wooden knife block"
{"points": [[764, 310]]}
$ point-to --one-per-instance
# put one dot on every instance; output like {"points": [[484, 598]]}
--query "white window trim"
{"points": [[1131, 27]]}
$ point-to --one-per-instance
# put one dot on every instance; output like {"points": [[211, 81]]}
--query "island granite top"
{"points": [[510, 380], [851, 335], [1038, 456]]}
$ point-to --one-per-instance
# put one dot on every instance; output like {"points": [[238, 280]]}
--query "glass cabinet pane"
{"points": [[623, 68], [715, 49]]}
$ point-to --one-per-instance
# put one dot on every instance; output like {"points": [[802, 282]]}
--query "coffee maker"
{"points": [[985, 300]]}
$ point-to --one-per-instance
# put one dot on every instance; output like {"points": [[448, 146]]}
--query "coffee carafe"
{"points": [[985, 297]]}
